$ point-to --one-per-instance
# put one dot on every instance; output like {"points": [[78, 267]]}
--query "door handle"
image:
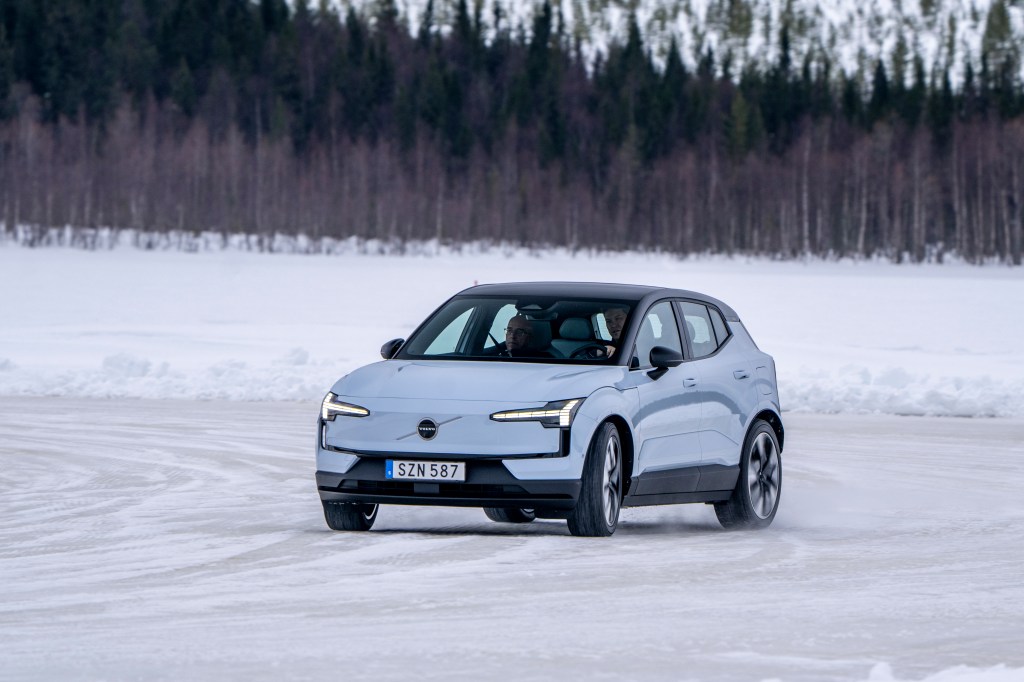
{"points": [[689, 383], [741, 374]]}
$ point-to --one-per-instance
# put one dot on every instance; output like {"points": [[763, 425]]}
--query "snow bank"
{"points": [[893, 390], [230, 323], [1000, 673], [851, 389]]}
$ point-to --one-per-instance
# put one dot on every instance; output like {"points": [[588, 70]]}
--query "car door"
{"points": [[669, 409], [727, 375]]}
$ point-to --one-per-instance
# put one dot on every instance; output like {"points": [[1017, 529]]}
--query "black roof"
{"points": [[599, 290]]}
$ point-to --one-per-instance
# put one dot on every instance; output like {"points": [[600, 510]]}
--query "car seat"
{"points": [[574, 333], [541, 338]]}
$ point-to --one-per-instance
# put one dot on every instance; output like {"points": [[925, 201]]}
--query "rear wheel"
{"points": [[349, 515], [509, 515], [597, 511], [755, 499]]}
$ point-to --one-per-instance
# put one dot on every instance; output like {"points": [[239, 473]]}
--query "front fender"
{"points": [[599, 406]]}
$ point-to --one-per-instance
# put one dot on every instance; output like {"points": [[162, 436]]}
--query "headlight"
{"points": [[556, 414], [332, 407]]}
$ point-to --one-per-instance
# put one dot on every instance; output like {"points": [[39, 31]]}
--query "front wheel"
{"points": [[597, 511], [755, 499], [509, 515], [349, 515]]}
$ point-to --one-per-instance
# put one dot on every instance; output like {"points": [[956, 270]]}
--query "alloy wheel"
{"points": [[612, 481], [763, 474]]}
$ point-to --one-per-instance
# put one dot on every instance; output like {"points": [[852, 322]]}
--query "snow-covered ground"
{"points": [[183, 540], [850, 337], [181, 537]]}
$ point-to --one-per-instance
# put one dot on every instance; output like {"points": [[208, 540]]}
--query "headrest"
{"points": [[575, 329], [692, 330], [541, 334]]}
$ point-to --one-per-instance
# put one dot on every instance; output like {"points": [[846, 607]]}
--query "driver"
{"points": [[614, 320]]}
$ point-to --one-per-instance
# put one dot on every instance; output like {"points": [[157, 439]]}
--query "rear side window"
{"points": [[721, 331], [699, 328]]}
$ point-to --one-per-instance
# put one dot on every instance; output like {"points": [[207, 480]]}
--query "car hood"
{"points": [[467, 380]]}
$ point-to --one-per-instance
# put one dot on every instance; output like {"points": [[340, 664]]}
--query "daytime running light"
{"points": [[332, 407], [558, 413]]}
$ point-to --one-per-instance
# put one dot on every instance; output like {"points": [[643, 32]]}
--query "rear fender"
{"points": [[769, 411]]}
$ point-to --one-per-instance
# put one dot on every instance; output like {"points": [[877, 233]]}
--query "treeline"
{"points": [[267, 118]]}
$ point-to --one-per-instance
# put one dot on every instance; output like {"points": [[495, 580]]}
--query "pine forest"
{"points": [[469, 124]]}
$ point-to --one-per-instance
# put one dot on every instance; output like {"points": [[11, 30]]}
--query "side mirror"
{"points": [[388, 350], [662, 359]]}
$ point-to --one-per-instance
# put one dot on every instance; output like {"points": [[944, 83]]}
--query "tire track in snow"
{"points": [[187, 538]]}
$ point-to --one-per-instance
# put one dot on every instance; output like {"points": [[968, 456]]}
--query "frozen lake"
{"points": [[159, 539]]}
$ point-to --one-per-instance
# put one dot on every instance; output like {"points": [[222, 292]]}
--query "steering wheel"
{"points": [[591, 351]]}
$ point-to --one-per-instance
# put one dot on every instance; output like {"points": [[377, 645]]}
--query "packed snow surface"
{"points": [[852, 337], [183, 540], [176, 538]]}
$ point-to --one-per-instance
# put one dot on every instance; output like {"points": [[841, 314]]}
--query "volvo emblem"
{"points": [[427, 429]]}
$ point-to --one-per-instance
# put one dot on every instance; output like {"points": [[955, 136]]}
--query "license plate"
{"points": [[425, 471]]}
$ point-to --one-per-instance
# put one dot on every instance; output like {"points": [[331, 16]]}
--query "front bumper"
{"points": [[488, 484]]}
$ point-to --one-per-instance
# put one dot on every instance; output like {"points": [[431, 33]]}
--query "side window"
{"points": [[657, 329], [448, 340], [699, 329], [497, 332], [597, 322], [721, 331]]}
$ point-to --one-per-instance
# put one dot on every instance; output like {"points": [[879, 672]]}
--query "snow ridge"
{"points": [[238, 324]]}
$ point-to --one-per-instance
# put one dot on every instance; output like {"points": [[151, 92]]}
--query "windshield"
{"points": [[529, 329]]}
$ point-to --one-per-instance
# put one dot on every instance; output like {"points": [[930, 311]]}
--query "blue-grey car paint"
{"points": [[682, 419]]}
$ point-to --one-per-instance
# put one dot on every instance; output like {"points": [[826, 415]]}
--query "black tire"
{"points": [[758, 489], [349, 515], [509, 515], [597, 511]]}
